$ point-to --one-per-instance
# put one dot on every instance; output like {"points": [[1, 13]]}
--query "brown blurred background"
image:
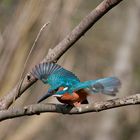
{"points": [[111, 47]]}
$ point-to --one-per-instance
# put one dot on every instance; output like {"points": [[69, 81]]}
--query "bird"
{"points": [[67, 87]]}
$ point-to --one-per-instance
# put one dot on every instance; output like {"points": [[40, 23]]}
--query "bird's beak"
{"points": [[48, 94], [45, 97]]}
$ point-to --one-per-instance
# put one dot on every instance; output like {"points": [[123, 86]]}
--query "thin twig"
{"points": [[34, 44]]}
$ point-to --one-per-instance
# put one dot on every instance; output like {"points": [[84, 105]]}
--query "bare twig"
{"points": [[34, 44], [62, 47], [36, 109]]}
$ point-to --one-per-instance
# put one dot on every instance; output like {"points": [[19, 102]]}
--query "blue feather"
{"points": [[54, 75], [107, 85], [44, 70]]}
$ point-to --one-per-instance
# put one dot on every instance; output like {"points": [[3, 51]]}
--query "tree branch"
{"points": [[61, 48], [36, 109]]}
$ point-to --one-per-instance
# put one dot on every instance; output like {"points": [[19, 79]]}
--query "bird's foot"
{"points": [[77, 106]]}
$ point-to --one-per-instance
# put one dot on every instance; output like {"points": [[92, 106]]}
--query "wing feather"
{"points": [[44, 70]]}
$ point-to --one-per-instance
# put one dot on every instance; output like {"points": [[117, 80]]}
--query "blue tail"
{"points": [[109, 85]]}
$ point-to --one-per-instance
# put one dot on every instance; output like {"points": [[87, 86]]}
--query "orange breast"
{"points": [[73, 99]]}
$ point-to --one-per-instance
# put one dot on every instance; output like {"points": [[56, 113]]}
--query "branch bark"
{"points": [[61, 48], [36, 109]]}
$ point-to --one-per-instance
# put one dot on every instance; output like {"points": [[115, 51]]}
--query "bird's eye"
{"points": [[65, 88]]}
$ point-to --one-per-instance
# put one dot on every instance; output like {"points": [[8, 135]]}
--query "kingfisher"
{"points": [[67, 87]]}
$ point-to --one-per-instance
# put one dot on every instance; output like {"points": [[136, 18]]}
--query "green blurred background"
{"points": [[109, 48]]}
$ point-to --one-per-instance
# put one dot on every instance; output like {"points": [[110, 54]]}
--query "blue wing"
{"points": [[54, 75], [43, 70], [62, 78], [109, 85]]}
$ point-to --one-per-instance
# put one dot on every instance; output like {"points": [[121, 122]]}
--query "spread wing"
{"points": [[54, 72], [43, 70]]}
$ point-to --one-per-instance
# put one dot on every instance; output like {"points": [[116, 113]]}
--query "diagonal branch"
{"points": [[36, 109], [62, 47]]}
